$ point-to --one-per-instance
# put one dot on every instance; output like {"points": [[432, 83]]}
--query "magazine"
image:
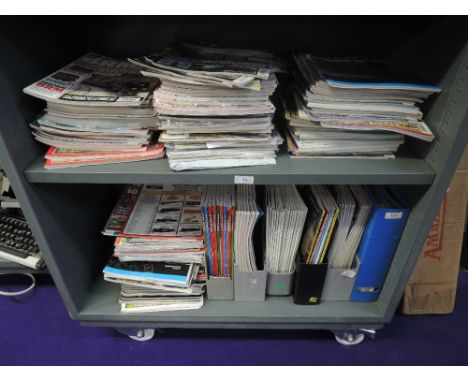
{"points": [[172, 211], [95, 80]]}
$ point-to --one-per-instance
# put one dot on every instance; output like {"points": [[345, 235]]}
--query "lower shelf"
{"points": [[102, 309]]}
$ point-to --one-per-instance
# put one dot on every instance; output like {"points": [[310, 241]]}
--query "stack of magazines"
{"points": [[159, 248], [286, 213], [219, 210], [355, 207], [351, 106], [320, 225], [336, 222], [99, 111], [248, 213], [214, 105]]}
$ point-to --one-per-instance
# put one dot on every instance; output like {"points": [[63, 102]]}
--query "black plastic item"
{"points": [[464, 255], [308, 284]]}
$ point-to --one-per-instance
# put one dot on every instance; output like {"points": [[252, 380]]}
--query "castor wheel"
{"points": [[143, 335], [137, 334], [352, 337], [349, 338]]}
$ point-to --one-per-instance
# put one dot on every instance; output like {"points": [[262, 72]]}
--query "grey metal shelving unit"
{"points": [[67, 208]]}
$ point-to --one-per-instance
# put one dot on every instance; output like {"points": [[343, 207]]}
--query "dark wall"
{"points": [[134, 35]]}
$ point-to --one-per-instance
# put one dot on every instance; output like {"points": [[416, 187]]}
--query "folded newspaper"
{"points": [[207, 97]]}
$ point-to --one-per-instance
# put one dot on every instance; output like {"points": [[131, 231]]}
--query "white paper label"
{"points": [[393, 215], [214, 145], [349, 273], [243, 179]]}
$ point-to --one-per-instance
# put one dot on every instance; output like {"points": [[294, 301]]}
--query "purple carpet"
{"points": [[36, 330]]}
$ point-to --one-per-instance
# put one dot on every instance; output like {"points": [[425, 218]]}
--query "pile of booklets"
{"points": [[214, 105], [99, 111], [248, 213], [335, 224], [321, 221], [285, 216], [159, 254], [355, 206], [219, 211], [351, 106]]}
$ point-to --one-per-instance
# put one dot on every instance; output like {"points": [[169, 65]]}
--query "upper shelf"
{"points": [[402, 170]]}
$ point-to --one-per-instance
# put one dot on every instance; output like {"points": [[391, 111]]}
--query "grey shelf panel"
{"points": [[403, 170], [102, 305], [7, 266]]}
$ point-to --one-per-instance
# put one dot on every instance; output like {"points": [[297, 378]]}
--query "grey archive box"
{"points": [[220, 288], [249, 286], [279, 284], [339, 283]]}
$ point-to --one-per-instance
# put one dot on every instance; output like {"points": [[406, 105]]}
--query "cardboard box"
{"points": [[432, 286]]}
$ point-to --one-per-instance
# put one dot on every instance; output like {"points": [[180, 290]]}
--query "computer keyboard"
{"points": [[16, 238]]}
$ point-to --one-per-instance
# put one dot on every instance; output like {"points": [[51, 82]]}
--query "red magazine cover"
{"points": [[222, 238], [150, 154], [230, 226], [57, 154], [214, 244]]}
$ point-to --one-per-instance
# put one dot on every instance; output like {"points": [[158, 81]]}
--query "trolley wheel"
{"points": [[143, 335], [349, 338]]}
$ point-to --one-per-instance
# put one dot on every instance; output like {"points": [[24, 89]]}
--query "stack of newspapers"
{"points": [[159, 253], [99, 111], [214, 105], [352, 107]]}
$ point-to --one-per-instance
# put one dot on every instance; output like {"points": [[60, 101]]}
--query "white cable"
{"points": [[21, 292]]}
